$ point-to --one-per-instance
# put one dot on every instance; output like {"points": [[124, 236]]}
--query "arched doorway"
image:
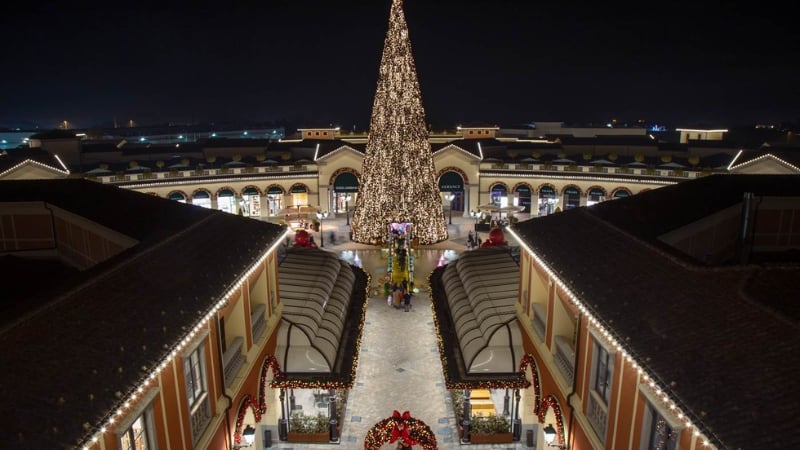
{"points": [[451, 183], [345, 190]]}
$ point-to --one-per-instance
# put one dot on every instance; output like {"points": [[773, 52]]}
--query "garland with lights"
{"points": [[528, 360], [258, 406], [258, 409], [551, 402], [271, 362], [411, 430], [399, 182]]}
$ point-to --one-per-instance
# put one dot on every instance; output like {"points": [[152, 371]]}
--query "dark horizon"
{"points": [[504, 62]]}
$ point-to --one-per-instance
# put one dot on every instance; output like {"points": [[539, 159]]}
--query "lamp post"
{"points": [[347, 208], [249, 437], [477, 215], [321, 216], [550, 437], [449, 197]]}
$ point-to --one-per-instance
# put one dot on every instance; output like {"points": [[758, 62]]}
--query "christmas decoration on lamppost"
{"points": [[321, 215], [450, 197]]}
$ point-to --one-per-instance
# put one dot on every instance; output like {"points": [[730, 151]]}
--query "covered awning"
{"points": [[323, 301], [500, 209], [345, 182], [474, 300], [302, 209]]}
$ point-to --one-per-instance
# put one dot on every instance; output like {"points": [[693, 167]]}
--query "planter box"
{"points": [[499, 438], [308, 437]]}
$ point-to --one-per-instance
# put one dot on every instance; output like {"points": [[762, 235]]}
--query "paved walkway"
{"points": [[399, 367]]}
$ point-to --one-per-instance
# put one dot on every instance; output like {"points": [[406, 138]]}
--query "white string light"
{"points": [[179, 346]]}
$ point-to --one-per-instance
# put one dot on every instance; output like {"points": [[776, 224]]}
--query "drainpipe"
{"points": [[224, 393], [574, 381]]}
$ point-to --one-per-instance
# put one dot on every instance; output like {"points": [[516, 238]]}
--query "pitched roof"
{"points": [[13, 158], [722, 340], [75, 360]]}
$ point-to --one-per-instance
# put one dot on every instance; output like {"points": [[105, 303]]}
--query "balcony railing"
{"points": [[565, 358], [233, 360], [201, 417], [597, 414], [539, 320], [259, 321]]}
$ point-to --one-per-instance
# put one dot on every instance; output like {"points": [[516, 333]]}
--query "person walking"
{"points": [[407, 300]]}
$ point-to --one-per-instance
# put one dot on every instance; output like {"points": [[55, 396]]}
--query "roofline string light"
{"points": [[661, 393], [37, 163], [733, 164], [176, 350]]}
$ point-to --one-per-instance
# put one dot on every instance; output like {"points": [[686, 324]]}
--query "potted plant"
{"points": [[491, 429], [304, 428]]}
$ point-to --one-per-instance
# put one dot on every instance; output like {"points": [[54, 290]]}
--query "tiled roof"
{"points": [[730, 361], [71, 363]]}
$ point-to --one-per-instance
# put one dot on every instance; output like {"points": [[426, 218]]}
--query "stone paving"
{"points": [[399, 366]]}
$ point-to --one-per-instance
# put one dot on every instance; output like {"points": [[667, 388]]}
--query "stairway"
{"points": [[481, 401]]}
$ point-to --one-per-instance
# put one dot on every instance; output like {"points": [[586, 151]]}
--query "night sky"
{"points": [[309, 63]]}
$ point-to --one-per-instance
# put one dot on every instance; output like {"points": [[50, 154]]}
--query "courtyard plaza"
{"points": [[399, 367]]}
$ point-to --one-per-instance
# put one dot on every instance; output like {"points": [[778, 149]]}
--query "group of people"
{"points": [[399, 294], [473, 240]]}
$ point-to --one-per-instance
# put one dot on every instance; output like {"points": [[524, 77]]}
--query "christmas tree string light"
{"points": [[399, 182]]}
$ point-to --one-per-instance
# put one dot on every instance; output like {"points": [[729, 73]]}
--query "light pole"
{"points": [[321, 216], [449, 197], [347, 208], [475, 215]]}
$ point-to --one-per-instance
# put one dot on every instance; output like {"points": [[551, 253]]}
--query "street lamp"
{"points": [[249, 436], [550, 436], [347, 208], [449, 197], [476, 215], [321, 216]]}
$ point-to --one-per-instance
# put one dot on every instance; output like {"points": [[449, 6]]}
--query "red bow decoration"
{"points": [[400, 429]]}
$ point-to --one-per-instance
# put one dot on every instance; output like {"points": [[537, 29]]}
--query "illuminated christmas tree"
{"points": [[398, 178]]}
